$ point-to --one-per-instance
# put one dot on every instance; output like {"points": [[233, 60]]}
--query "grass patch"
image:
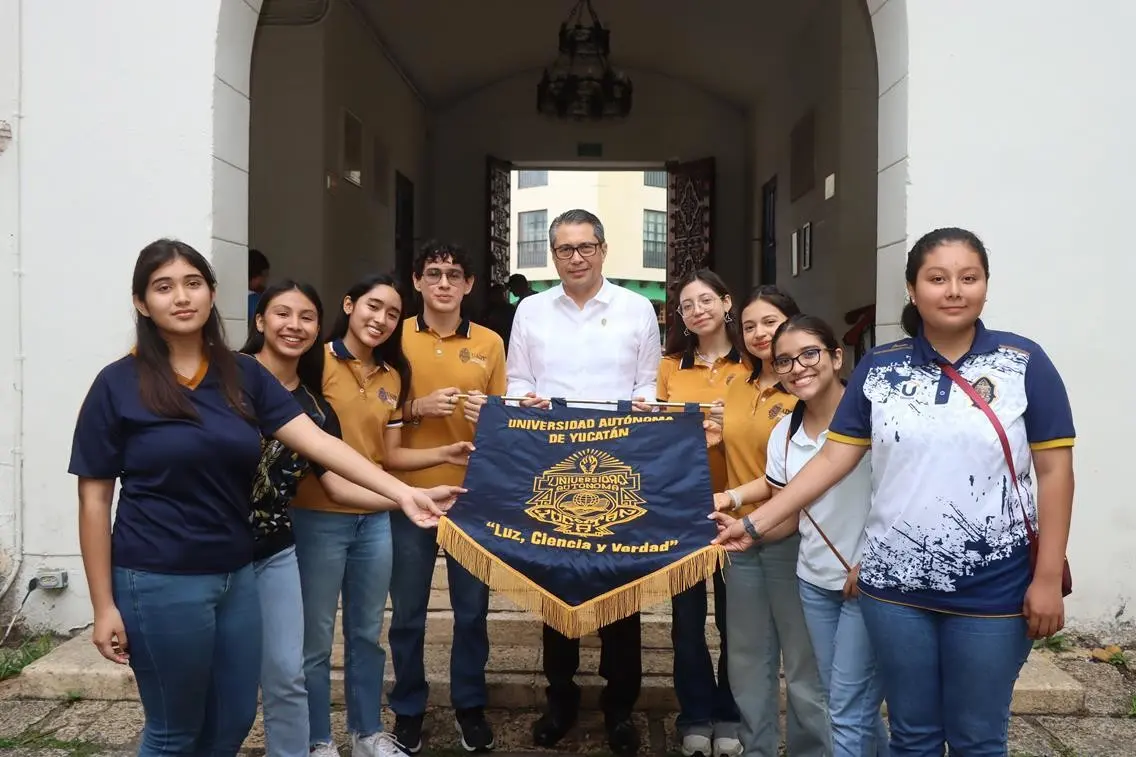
{"points": [[1056, 643], [14, 659], [36, 740]]}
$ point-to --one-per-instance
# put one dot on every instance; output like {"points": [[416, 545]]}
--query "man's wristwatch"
{"points": [[751, 529]]}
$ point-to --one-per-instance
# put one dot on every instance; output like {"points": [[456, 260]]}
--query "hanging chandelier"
{"points": [[581, 84]]}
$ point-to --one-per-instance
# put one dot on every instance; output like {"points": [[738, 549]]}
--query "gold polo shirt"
{"points": [[367, 403], [682, 378], [471, 359], [749, 417]]}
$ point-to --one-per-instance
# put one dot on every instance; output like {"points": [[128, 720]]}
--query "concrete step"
{"points": [[75, 670]]}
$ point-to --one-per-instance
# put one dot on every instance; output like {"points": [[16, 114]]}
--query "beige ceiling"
{"points": [[449, 48]]}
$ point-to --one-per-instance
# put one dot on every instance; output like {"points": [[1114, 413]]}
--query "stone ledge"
{"points": [[76, 670]]}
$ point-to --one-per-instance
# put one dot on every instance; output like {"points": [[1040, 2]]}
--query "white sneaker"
{"points": [[323, 750], [696, 744], [727, 747], [380, 744]]}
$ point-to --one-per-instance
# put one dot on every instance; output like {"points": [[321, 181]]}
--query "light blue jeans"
{"points": [[847, 669], [948, 679], [284, 697], [765, 624], [346, 553]]}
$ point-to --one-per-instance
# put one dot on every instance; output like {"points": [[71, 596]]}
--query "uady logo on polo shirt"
{"points": [[776, 410], [388, 397], [465, 356], [985, 388], [585, 494]]}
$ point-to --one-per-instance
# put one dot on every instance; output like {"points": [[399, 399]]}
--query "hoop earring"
{"points": [[729, 317]]}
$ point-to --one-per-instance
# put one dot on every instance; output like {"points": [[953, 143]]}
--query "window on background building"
{"points": [[655, 179], [526, 179], [532, 239], [654, 239]]}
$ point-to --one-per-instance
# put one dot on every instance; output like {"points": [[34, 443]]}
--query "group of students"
{"points": [[903, 575]]}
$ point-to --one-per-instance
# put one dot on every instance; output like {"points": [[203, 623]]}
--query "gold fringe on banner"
{"points": [[579, 620]]}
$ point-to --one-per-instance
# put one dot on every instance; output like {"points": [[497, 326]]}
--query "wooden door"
{"points": [[690, 223], [498, 174], [404, 239]]}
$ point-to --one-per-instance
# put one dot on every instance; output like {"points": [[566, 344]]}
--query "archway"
{"points": [[236, 31]]}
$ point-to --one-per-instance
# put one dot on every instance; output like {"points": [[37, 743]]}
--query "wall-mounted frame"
{"points": [[806, 247], [351, 149], [794, 251]]}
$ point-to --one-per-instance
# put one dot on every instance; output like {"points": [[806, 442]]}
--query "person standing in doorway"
{"points": [[448, 355], [520, 287], [258, 279], [588, 338]]}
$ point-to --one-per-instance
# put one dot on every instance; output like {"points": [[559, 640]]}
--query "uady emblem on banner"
{"points": [[585, 516]]}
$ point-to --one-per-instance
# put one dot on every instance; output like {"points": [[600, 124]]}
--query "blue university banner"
{"points": [[585, 516]]}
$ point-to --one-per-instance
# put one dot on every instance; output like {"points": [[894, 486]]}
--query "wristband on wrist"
{"points": [[735, 498], [751, 529]]}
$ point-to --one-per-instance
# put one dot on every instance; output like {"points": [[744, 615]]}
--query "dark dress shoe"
{"points": [[553, 725], [622, 738]]}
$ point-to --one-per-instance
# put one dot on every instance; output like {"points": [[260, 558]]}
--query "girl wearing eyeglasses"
{"points": [[808, 359], [702, 358], [764, 619]]}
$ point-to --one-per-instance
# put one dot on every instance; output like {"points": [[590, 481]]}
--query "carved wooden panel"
{"points": [[496, 270], [690, 214]]}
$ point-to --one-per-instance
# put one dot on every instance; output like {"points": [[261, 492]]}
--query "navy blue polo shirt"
{"points": [[946, 530], [185, 485]]}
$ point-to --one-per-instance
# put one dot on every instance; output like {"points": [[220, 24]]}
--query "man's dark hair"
{"points": [[258, 263], [440, 252]]}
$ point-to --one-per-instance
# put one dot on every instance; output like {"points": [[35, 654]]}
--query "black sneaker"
{"points": [[476, 735], [408, 732]]}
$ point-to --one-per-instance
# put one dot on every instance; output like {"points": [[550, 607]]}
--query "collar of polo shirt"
{"points": [[339, 350], [463, 327], [687, 361], [922, 353]]}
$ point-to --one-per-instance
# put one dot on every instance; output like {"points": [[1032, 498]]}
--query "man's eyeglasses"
{"points": [[705, 302], [808, 358], [434, 275], [566, 251]]}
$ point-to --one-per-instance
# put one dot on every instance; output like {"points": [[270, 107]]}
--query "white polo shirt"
{"points": [[945, 531], [841, 511], [608, 350]]}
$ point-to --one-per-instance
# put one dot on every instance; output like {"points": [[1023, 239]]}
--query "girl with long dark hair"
{"points": [[700, 362], [179, 423], [344, 548], [282, 337], [764, 618]]}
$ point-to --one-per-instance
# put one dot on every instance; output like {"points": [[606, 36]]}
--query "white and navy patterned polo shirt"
{"points": [[945, 531]]}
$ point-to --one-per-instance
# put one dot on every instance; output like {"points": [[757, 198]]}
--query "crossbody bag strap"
{"points": [[831, 546], [968, 389]]}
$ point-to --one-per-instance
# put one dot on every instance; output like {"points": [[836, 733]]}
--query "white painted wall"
{"points": [[670, 120], [1019, 128], [832, 71], [115, 149], [303, 79]]}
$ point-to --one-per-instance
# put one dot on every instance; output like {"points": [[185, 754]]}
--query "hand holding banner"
{"points": [[585, 516]]}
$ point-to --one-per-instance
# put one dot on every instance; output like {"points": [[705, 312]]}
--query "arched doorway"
{"points": [[888, 23]]}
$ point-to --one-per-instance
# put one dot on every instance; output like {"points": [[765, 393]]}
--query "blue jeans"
{"points": [[847, 669], [702, 701], [766, 626], [346, 553], [948, 679], [194, 643], [415, 550], [285, 700]]}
